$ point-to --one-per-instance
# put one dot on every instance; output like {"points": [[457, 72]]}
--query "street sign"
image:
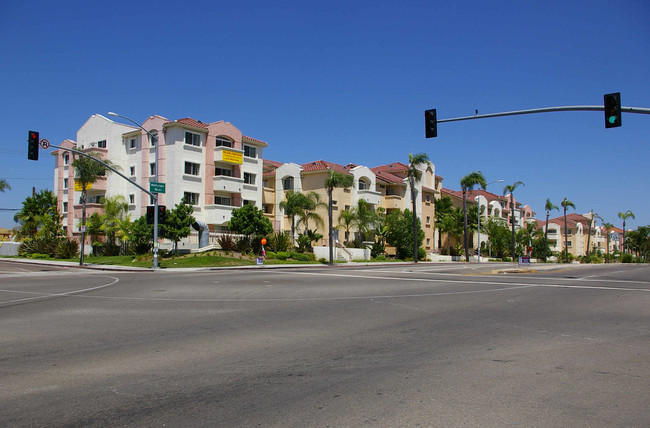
{"points": [[45, 144], [156, 187]]}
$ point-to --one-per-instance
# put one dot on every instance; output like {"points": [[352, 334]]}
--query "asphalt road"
{"points": [[388, 346]]}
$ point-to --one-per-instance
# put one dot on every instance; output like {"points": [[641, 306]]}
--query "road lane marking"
{"points": [[48, 295]]}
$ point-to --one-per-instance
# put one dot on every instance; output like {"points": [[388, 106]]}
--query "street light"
{"points": [[154, 139], [478, 224]]}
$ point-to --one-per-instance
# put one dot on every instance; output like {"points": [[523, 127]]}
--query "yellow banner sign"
{"points": [[232, 157], [79, 188]]}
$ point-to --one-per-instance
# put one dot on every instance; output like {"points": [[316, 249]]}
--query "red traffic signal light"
{"points": [[32, 145], [162, 212]]}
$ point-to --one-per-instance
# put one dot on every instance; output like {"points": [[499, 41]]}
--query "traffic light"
{"points": [[150, 211], [612, 110], [32, 145], [162, 211], [430, 123]]}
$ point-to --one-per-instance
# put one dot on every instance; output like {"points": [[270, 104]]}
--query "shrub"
{"points": [[279, 241], [37, 246], [323, 260], [380, 258], [66, 249], [301, 257], [627, 258], [282, 255], [243, 245], [226, 242]]}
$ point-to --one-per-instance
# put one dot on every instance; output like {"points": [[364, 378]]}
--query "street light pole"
{"points": [[478, 224], [154, 141]]}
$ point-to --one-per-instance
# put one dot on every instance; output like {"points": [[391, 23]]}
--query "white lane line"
{"points": [[48, 295], [465, 281]]}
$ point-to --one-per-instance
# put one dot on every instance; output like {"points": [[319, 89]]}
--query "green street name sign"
{"points": [[156, 187]]}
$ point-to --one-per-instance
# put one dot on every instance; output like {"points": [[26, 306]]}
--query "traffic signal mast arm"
{"points": [[638, 110], [153, 195]]}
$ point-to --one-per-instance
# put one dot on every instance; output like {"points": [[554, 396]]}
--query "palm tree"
{"points": [[87, 171], [592, 220], [292, 207], [548, 207], [115, 209], [509, 189], [307, 210], [335, 179], [448, 224], [414, 176], [38, 212], [468, 182], [624, 216], [346, 220], [4, 185], [565, 204], [364, 218], [608, 227]]}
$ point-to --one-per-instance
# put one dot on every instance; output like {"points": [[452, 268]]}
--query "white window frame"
{"points": [[249, 178], [250, 151], [192, 168], [223, 200], [195, 139], [191, 198]]}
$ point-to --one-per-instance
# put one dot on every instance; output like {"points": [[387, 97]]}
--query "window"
{"points": [[193, 139], [65, 183], [221, 141], [191, 198], [249, 178], [250, 152], [428, 220], [65, 207], [132, 171], [287, 183], [265, 183], [132, 143], [363, 185], [66, 159], [152, 169], [248, 202], [131, 199], [192, 168], [101, 144], [222, 200], [223, 171], [154, 139]]}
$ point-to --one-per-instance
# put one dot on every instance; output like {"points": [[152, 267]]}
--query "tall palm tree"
{"points": [[87, 171], [333, 180], [548, 207], [592, 221], [414, 176], [4, 185], [510, 189], [364, 218], [608, 227], [448, 224], [624, 216], [566, 204], [468, 182]]}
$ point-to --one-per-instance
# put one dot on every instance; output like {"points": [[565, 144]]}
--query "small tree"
{"points": [[250, 221], [178, 223], [141, 236], [400, 233]]}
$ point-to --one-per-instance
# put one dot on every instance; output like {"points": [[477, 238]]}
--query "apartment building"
{"points": [[384, 186], [577, 234], [211, 166]]}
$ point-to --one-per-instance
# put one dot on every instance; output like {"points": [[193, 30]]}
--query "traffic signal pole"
{"points": [[639, 110]]}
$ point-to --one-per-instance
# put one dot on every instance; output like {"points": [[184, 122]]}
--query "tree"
{"points": [[449, 225], [498, 237], [309, 203], [638, 241], [548, 207], [250, 221], [414, 176], [624, 216], [364, 218], [333, 180], [400, 233], [468, 182], [566, 204], [87, 171], [39, 216], [177, 223], [346, 221], [113, 219], [291, 205], [510, 189], [4, 185], [608, 227], [141, 236]]}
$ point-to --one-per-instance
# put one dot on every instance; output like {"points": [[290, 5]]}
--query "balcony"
{"points": [[392, 202], [228, 155], [372, 197], [218, 214], [225, 183]]}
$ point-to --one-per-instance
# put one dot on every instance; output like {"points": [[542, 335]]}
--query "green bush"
{"points": [[301, 257], [627, 258], [226, 242], [66, 249], [282, 255], [271, 255]]}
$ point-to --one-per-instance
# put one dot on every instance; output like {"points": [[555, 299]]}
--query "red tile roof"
{"points": [[387, 176], [189, 122], [321, 165]]}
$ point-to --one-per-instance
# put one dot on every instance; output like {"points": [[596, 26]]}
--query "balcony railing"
{"points": [[225, 183]]}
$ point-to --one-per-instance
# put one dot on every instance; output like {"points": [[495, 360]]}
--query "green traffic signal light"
{"points": [[612, 104]]}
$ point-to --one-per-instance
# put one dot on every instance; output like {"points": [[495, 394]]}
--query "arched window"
{"points": [[222, 141], [363, 184], [287, 183]]}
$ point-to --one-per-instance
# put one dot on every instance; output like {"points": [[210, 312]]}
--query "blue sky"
{"points": [[348, 82]]}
